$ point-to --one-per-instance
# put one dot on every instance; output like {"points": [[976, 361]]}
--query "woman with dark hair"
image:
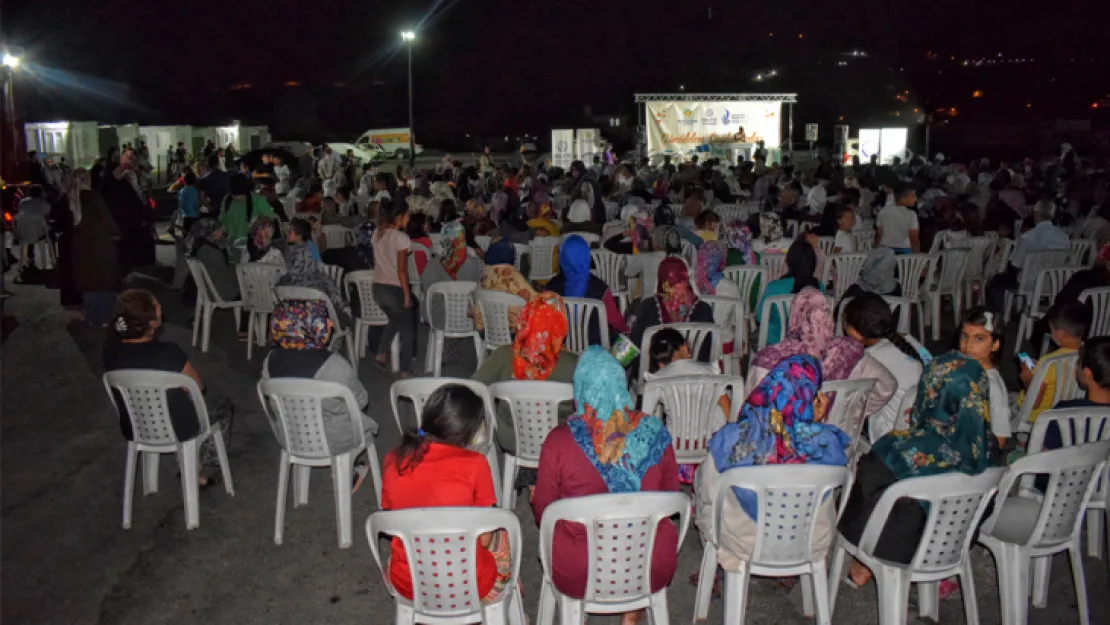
{"points": [[391, 285], [435, 466], [300, 233], [240, 207], [575, 280], [133, 344], [801, 264], [670, 356], [206, 243], [868, 321]]}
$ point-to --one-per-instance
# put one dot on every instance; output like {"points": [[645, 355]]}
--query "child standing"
{"points": [[981, 339], [1067, 326]]}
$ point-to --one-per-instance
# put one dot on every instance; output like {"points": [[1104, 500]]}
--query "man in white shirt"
{"points": [[1043, 236], [896, 227]]}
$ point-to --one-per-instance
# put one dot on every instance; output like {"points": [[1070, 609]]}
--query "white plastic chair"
{"points": [[689, 403], [494, 306], [952, 263], [457, 323], [208, 301], [418, 390], [541, 264], [981, 250], [790, 504], [1100, 307], [827, 245], [256, 289], [914, 270], [294, 408], [865, 239], [521, 250], [338, 236], [695, 333], [1079, 426], [1034, 263], [626, 524], [581, 311], [453, 529], [609, 266], [590, 238], [792, 228], [370, 315], [1081, 252], [847, 268], [534, 406], [1000, 258], [339, 334], [780, 303], [1024, 533], [746, 278], [143, 394], [775, 264], [956, 502], [1047, 286], [414, 271], [729, 312], [1066, 387], [689, 254], [483, 241], [335, 272]]}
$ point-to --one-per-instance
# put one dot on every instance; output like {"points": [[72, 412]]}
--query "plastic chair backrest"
{"points": [[865, 239], [1077, 426], [620, 539], [581, 311], [420, 389], [695, 334], [494, 306], [456, 303], [1081, 250], [847, 268], [414, 272], [722, 306], [847, 410], [483, 241], [534, 406], [206, 291], [782, 304], [1100, 307], [689, 253], [364, 287], [303, 293], [1003, 249], [649, 277], [1036, 262], [956, 502], [688, 408], [775, 264], [745, 278], [1049, 283], [256, 284], [980, 251], [790, 499], [827, 244], [609, 266], [913, 270], [542, 265], [1073, 473], [589, 237], [521, 250], [335, 272], [338, 236], [143, 393], [429, 536], [1066, 385], [953, 263], [295, 410]]}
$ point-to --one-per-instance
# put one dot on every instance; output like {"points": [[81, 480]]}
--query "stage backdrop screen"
{"points": [[679, 127]]}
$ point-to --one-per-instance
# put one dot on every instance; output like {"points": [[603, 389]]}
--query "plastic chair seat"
{"points": [[370, 315], [456, 324], [208, 301]]}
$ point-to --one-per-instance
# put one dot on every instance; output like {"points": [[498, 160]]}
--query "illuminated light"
{"points": [[1094, 105], [841, 118], [976, 94], [951, 58], [292, 83], [1028, 105], [10, 60], [759, 76], [915, 110], [408, 35], [801, 36], [239, 86], [770, 34], [953, 112], [7, 216]]}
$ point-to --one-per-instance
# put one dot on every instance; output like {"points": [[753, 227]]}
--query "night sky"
{"points": [[491, 67]]}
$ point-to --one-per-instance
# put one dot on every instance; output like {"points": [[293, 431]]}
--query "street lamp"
{"points": [[11, 138], [10, 60], [408, 37]]}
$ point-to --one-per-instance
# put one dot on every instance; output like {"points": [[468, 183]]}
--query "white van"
{"points": [[394, 141]]}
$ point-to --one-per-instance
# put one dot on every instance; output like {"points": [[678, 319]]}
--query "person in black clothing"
{"points": [[133, 344], [131, 214]]}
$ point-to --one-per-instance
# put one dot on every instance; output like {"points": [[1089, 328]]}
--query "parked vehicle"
{"points": [[364, 152], [394, 141]]}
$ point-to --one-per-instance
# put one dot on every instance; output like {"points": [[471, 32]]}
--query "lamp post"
{"points": [[408, 37], [10, 138]]}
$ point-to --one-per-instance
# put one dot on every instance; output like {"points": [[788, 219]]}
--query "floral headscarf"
{"points": [[740, 239], [541, 328], [710, 267], [666, 239], [620, 442], [201, 232], [303, 270], [676, 298], [453, 247], [776, 426], [809, 329], [770, 227], [300, 324], [261, 234], [950, 426]]}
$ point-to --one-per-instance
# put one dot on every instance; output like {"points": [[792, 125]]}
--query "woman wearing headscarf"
{"points": [[575, 280], [260, 242], [536, 354], [665, 241], [801, 263], [606, 447], [93, 239], [500, 275], [675, 301], [302, 330], [206, 243], [780, 423], [578, 219], [303, 270], [453, 264], [810, 330], [542, 223], [709, 277], [478, 219], [949, 432]]}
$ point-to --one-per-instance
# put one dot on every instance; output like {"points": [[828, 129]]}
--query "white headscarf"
{"points": [[579, 212]]}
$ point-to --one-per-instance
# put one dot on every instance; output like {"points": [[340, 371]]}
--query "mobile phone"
{"points": [[1026, 360]]}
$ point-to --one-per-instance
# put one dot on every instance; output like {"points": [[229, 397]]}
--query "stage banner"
{"points": [[681, 127], [562, 148], [587, 145]]}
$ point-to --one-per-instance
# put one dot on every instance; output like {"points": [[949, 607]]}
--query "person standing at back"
{"points": [[896, 226], [391, 285]]}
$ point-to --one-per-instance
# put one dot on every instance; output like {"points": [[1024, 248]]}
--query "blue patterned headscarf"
{"points": [[574, 261], [620, 442], [776, 426]]}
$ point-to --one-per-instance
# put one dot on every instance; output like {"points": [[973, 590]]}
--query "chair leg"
{"points": [[1095, 519], [341, 480], [150, 472], [197, 318], [190, 482], [508, 493], [208, 312], [706, 577], [375, 471], [1039, 589], [967, 589], [836, 575], [928, 600], [283, 489], [659, 612], [571, 611], [129, 483], [1079, 579], [301, 476], [495, 469], [894, 592], [821, 592], [250, 333], [934, 301], [225, 466], [1013, 583], [545, 614], [805, 584], [736, 595], [478, 349]]}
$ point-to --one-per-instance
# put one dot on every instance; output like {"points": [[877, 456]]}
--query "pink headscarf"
{"points": [[810, 331]]}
